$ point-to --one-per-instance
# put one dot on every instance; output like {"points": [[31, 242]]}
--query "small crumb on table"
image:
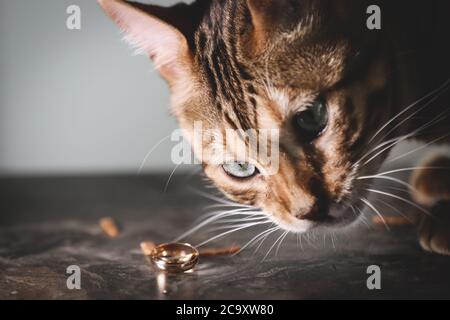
{"points": [[109, 227], [391, 220], [213, 252], [147, 247]]}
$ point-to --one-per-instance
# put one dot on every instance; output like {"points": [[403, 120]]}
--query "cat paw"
{"points": [[434, 231]]}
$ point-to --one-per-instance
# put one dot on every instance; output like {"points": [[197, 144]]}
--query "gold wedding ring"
{"points": [[174, 257]]}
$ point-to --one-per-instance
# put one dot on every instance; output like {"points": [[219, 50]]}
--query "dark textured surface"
{"points": [[49, 224]]}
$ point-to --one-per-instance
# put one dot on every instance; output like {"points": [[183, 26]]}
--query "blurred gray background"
{"points": [[76, 101]]}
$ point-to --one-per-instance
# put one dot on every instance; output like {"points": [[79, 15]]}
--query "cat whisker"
{"points": [[279, 244], [406, 191], [235, 211], [354, 211], [299, 237], [239, 219], [401, 199], [386, 177], [265, 237], [412, 169], [412, 134], [395, 189], [416, 112], [442, 87], [223, 234], [308, 237], [250, 218], [170, 177], [218, 205], [362, 218], [395, 209], [243, 211], [273, 245], [366, 222], [332, 241], [390, 142], [419, 148], [209, 220], [233, 226], [223, 224], [370, 205], [382, 145], [141, 167], [217, 199], [256, 238]]}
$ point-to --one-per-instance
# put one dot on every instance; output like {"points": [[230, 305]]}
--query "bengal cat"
{"points": [[340, 95]]}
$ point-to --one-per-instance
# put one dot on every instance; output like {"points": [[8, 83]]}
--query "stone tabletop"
{"points": [[48, 224]]}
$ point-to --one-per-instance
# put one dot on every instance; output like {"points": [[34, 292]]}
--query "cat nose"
{"points": [[317, 212]]}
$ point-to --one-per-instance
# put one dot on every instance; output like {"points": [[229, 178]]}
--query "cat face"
{"points": [[306, 70]]}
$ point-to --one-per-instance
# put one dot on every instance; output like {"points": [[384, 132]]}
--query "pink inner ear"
{"points": [[146, 33]]}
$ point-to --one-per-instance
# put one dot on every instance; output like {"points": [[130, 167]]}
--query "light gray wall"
{"points": [[76, 101]]}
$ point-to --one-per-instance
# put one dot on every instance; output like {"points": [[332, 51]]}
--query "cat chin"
{"points": [[293, 225]]}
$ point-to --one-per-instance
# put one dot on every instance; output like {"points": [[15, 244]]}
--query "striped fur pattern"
{"points": [[264, 88], [254, 64]]}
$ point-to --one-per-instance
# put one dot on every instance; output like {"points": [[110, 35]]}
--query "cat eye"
{"points": [[241, 170], [311, 122]]}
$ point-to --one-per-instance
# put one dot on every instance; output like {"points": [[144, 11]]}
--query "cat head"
{"points": [[310, 70]]}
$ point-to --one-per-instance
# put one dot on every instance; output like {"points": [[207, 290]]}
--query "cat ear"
{"points": [[264, 15], [162, 33], [262, 12]]}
